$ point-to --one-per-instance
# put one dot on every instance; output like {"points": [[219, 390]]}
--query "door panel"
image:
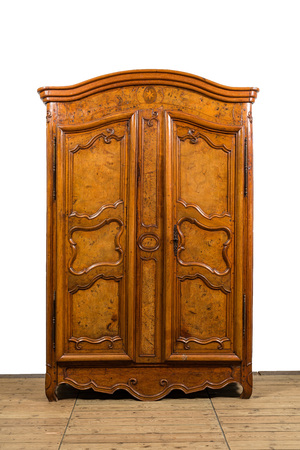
{"points": [[92, 204], [96, 320], [96, 189], [203, 201], [202, 315], [203, 171]]}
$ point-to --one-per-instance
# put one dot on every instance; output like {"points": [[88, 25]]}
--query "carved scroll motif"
{"points": [[137, 389], [97, 213], [154, 116], [210, 340], [75, 289], [206, 281], [108, 339], [106, 137], [194, 136], [197, 208]]}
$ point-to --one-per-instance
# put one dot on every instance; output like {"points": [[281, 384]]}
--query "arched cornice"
{"points": [[148, 77]]}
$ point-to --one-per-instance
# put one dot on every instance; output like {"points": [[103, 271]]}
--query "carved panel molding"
{"points": [[194, 136], [97, 213], [200, 211], [102, 339], [74, 289], [118, 247], [226, 244], [106, 138], [218, 340], [208, 283]]}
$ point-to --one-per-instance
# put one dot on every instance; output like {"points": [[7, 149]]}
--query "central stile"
{"points": [[150, 236]]}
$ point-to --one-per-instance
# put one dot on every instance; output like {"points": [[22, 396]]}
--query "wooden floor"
{"points": [[211, 419]]}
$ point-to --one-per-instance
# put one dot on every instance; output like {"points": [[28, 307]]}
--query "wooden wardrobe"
{"points": [[149, 234]]}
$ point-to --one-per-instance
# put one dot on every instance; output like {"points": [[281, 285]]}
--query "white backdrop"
{"points": [[236, 43]]}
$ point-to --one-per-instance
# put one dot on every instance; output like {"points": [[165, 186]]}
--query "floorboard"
{"points": [[213, 419]]}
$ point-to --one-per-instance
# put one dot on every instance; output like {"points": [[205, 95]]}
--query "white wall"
{"points": [[238, 43]]}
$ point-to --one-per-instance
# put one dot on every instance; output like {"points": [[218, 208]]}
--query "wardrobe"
{"points": [[149, 234]]}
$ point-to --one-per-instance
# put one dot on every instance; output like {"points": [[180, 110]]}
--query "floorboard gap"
{"points": [[226, 442], [63, 436]]}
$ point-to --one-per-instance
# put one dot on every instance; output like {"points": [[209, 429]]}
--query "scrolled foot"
{"points": [[247, 390], [51, 394], [50, 385]]}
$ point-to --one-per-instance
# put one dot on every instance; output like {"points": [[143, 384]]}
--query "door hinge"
{"points": [[54, 168], [54, 321], [175, 240], [245, 167], [244, 314]]}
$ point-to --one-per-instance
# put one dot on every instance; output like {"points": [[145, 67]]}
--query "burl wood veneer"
{"points": [[149, 235]]}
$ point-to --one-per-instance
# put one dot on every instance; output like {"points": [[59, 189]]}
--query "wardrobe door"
{"points": [[95, 179], [204, 240]]}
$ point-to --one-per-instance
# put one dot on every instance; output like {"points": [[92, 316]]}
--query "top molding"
{"points": [[144, 77]]}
